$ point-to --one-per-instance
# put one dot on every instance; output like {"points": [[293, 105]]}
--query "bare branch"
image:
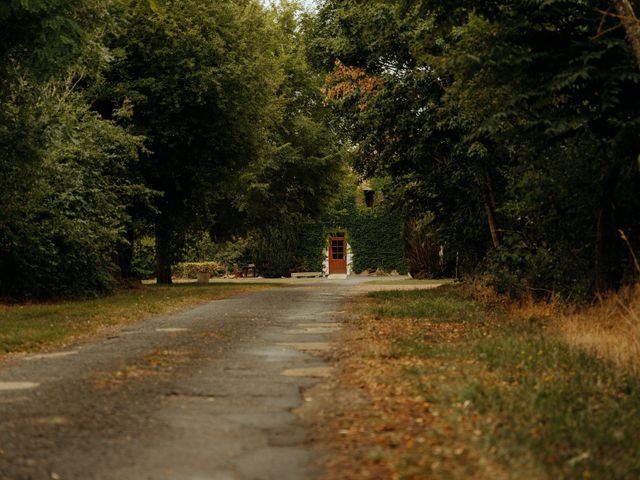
{"points": [[624, 11]]}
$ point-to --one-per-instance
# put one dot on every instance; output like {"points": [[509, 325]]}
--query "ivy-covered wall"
{"points": [[375, 235]]}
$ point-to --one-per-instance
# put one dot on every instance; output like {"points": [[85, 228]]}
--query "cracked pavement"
{"points": [[206, 393]]}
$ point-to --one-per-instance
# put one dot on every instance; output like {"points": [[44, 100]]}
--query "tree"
{"points": [[510, 107], [556, 102], [388, 96], [62, 183], [300, 174], [200, 79], [631, 24]]}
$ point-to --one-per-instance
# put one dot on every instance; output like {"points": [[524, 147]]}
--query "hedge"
{"points": [[375, 236], [191, 269]]}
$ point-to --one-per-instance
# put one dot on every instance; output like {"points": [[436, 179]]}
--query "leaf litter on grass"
{"points": [[394, 430], [478, 390]]}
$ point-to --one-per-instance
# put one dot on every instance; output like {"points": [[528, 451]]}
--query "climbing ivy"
{"points": [[375, 236], [312, 241]]}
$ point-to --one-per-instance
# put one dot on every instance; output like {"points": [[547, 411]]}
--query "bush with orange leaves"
{"points": [[345, 81]]}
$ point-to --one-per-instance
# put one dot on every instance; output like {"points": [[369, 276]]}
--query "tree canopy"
{"points": [[126, 117], [507, 132], [62, 166], [511, 127]]}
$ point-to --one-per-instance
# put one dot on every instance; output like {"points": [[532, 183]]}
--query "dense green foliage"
{"points": [[62, 167], [63, 211], [302, 175], [198, 78], [512, 127], [374, 234], [130, 119], [509, 131]]}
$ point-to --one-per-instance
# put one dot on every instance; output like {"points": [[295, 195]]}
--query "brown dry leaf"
{"points": [[386, 429]]}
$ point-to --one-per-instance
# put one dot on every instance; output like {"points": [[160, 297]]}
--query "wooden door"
{"points": [[337, 255]]}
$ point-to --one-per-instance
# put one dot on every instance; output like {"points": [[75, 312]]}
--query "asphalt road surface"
{"points": [[207, 393]]}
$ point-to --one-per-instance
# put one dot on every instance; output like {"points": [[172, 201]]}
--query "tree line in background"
{"points": [[509, 129], [128, 118], [507, 132]]}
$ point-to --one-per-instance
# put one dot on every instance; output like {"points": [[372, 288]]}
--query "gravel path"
{"points": [[207, 393], [203, 394]]}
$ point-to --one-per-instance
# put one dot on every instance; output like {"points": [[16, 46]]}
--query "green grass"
{"points": [[412, 281], [578, 415], [434, 305], [32, 327], [536, 399]]}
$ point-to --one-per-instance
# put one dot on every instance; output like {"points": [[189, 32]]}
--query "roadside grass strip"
{"points": [[457, 389], [578, 415], [34, 327], [432, 305]]}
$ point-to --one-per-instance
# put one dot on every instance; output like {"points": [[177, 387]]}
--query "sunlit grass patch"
{"points": [[610, 329], [436, 305], [31, 327]]}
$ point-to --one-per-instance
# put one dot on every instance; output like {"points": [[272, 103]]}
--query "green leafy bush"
{"points": [[192, 269], [274, 252], [518, 268], [144, 258], [63, 211]]}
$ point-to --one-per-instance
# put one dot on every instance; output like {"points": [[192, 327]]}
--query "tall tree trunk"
{"points": [[490, 207], [624, 9], [606, 236], [604, 281], [163, 252]]}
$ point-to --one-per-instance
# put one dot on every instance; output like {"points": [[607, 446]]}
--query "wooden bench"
{"points": [[306, 274]]}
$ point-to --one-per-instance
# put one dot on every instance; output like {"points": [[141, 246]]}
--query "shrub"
{"points": [[192, 269], [520, 268], [144, 258], [274, 252]]}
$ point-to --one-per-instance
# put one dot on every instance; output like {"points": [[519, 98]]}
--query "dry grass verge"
{"points": [[386, 420], [434, 384], [34, 327], [609, 329]]}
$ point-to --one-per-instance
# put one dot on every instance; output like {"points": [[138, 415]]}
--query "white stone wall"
{"points": [[325, 262]]}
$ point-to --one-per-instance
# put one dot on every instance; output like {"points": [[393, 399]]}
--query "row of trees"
{"points": [[509, 128], [122, 118]]}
